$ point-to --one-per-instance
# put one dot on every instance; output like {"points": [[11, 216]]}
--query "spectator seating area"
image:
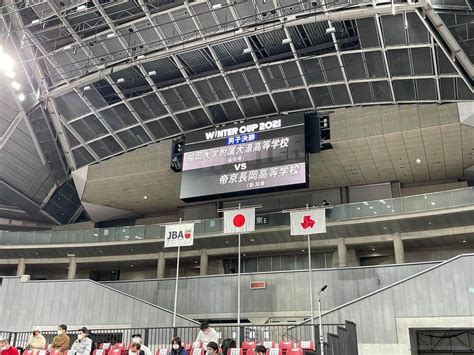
{"points": [[196, 348]]}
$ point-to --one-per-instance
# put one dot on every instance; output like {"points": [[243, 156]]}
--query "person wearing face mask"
{"points": [[83, 344], [177, 347], [135, 349], [6, 348], [212, 348], [37, 341], [137, 339], [62, 340], [207, 334]]}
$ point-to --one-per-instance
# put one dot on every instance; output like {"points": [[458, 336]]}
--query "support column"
{"points": [[204, 266], [342, 252], [20, 270], [71, 274], [160, 270], [399, 248]]}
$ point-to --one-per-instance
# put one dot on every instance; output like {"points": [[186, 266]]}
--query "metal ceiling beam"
{"points": [[378, 26], [297, 60], [255, 59], [53, 110], [113, 84], [39, 78], [454, 51], [179, 64], [223, 37], [216, 59], [338, 54]]}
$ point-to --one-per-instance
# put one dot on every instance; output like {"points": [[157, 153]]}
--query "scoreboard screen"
{"points": [[256, 156]]}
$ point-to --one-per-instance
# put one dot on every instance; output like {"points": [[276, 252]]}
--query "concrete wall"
{"points": [[49, 303], [440, 297], [286, 294]]}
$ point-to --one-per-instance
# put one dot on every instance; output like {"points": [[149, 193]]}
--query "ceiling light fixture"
{"points": [[21, 97], [286, 41], [16, 85], [35, 22], [9, 73], [81, 8], [247, 50], [418, 160], [102, 66], [216, 6], [464, 241], [151, 73], [141, 56], [68, 47], [120, 80], [145, 197], [131, 265], [111, 35], [433, 203], [373, 249], [252, 240], [86, 88], [239, 31]]}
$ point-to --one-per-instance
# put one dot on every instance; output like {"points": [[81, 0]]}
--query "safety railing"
{"points": [[351, 211]]}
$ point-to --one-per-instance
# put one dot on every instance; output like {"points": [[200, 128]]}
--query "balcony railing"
{"points": [[351, 211]]}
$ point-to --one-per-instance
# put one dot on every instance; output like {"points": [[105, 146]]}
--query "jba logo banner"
{"points": [[179, 235]]}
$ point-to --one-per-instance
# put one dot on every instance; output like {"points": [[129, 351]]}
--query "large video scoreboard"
{"points": [[255, 156]]}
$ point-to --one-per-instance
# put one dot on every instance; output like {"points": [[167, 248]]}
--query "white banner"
{"points": [[179, 235], [239, 221], [308, 222]]}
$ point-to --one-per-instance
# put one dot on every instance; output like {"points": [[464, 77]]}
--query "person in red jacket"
{"points": [[6, 348]]}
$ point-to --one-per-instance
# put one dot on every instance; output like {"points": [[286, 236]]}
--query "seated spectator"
{"points": [[207, 334], [37, 341], [83, 344], [260, 350], [212, 348], [137, 339], [62, 340], [177, 347], [228, 344], [135, 349], [6, 348]]}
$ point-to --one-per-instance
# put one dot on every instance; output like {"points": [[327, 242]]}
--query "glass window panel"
{"points": [[10, 237], [287, 262], [302, 261], [60, 236], [250, 264], [276, 263], [265, 264], [27, 237], [460, 197]]}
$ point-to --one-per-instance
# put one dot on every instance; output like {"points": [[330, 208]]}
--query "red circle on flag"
{"points": [[239, 220]]}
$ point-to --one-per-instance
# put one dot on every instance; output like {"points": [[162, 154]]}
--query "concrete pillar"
{"points": [[20, 270], [72, 270], [399, 248], [160, 270], [342, 252], [204, 266]]}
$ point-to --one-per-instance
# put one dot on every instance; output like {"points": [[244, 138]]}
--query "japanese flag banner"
{"points": [[308, 222], [239, 220]]}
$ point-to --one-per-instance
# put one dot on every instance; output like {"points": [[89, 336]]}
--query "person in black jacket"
{"points": [[177, 347]]}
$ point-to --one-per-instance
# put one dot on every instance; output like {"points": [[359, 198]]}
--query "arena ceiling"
{"points": [[110, 76]]}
